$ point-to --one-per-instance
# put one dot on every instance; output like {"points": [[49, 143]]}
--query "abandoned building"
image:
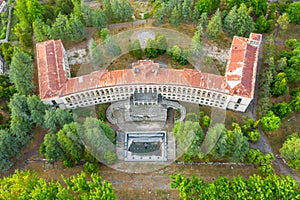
{"points": [[233, 91]]}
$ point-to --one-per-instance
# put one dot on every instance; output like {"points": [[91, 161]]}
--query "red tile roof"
{"points": [[147, 73], [239, 78], [52, 75]]}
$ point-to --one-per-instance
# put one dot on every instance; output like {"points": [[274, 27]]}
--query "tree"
{"points": [[161, 43], [270, 122], [283, 22], [175, 17], [107, 9], [202, 21], [111, 48], [257, 187], [159, 14], [27, 185], [205, 121], [214, 28], [135, 49], [75, 29], [94, 137], [261, 24], [280, 86], [186, 10], [7, 51], [21, 71], [221, 147], [121, 10], [58, 29], [150, 49], [259, 7], [238, 22], [196, 48], [51, 148], [70, 142], [295, 101], [37, 109], [204, 6], [96, 55], [98, 19], [294, 12], [282, 109], [291, 150], [9, 149], [240, 146], [189, 137], [40, 30], [65, 7]]}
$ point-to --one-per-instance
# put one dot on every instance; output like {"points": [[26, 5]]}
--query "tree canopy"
{"points": [[27, 185]]}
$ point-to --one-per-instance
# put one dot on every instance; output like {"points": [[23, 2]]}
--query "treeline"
{"points": [[65, 19], [278, 74], [217, 142], [234, 17], [27, 185], [92, 140], [255, 187]]}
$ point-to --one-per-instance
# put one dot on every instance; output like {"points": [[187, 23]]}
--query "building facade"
{"points": [[233, 91]]}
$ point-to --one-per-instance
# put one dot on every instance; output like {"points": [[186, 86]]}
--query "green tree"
{"points": [[70, 142], [283, 22], [220, 149], [7, 51], [205, 121], [159, 14], [204, 6], [111, 48], [280, 86], [259, 7], [27, 185], [121, 10], [295, 101], [52, 149], [58, 29], [214, 27], [135, 49], [99, 137], [37, 109], [96, 55], [150, 49], [294, 12], [40, 30], [238, 22], [261, 24], [239, 147], [291, 150], [161, 43], [174, 20], [75, 29], [186, 10], [270, 122], [65, 7], [282, 109], [21, 72]]}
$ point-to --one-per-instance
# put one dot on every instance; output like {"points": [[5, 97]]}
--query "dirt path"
{"points": [[128, 24]]}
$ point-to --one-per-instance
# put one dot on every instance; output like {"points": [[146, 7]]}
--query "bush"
{"points": [[91, 167], [68, 163], [110, 157], [266, 169]]}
